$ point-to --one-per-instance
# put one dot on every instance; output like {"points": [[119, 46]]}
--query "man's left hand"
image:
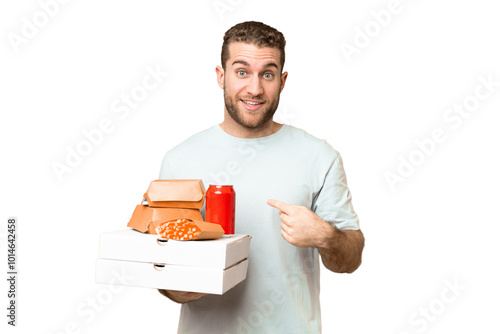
{"points": [[301, 227]]}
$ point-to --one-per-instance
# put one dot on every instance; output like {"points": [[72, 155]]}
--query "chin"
{"points": [[251, 124], [247, 119]]}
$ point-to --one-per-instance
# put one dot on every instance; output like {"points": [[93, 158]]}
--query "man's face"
{"points": [[252, 82]]}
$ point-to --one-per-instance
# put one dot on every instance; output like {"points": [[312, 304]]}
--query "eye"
{"points": [[241, 73], [268, 76]]}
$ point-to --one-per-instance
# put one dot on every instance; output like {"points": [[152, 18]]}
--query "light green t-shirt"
{"points": [[281, 291]]}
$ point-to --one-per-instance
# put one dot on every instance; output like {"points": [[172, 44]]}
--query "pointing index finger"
{"points": [[278, 205]]}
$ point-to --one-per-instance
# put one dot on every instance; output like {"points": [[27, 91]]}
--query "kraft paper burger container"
{"points": [[166, 200], [146, 260], [185, 194]]}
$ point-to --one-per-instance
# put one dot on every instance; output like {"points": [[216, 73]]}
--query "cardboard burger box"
{"points": [[187, 194], [166, 200], [146, 260]]}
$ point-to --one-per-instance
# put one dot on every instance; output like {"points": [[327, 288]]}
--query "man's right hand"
{"points": [[181, 296]]}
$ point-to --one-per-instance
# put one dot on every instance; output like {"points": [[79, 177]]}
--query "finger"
{"points": [[278, 205], [285, 219], [285, 228], [284, 235]]}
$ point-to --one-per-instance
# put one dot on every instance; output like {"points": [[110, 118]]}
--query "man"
{"points": [[292, 197]]}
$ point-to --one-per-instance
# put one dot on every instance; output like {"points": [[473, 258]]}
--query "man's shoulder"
{"points": [[311, 142]]}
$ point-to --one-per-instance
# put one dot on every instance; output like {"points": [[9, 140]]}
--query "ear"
{"points": [[220, 76], [284, 75]]}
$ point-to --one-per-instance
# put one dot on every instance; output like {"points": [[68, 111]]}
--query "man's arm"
{"points": [[340, 250], [181, 297]]}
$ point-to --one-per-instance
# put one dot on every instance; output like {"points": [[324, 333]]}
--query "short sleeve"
{"points": [[333, 202]]}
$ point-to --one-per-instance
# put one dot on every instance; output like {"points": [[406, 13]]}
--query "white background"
{"points": [[440, 225]]}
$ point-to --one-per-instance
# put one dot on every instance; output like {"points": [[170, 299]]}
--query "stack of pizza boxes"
{"points": [[209, 263]]}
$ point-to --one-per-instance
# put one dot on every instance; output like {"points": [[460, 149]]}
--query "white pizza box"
{"points": [[132, 245], [170, 277]]}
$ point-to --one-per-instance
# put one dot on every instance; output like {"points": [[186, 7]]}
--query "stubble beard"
{"points": [[237, 116]]}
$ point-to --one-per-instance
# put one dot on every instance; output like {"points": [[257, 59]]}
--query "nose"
{"points": [[254, 86]]}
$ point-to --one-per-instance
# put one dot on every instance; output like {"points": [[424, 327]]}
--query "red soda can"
{"points": [[220, 207]]}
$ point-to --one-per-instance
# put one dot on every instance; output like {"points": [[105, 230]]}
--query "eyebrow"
{"points": [[243, 62]]}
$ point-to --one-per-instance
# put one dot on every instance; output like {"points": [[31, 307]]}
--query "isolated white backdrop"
{"points": [[437, 228]]}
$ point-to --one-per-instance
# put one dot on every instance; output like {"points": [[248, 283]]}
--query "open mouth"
{"points": [[252, 104]]}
